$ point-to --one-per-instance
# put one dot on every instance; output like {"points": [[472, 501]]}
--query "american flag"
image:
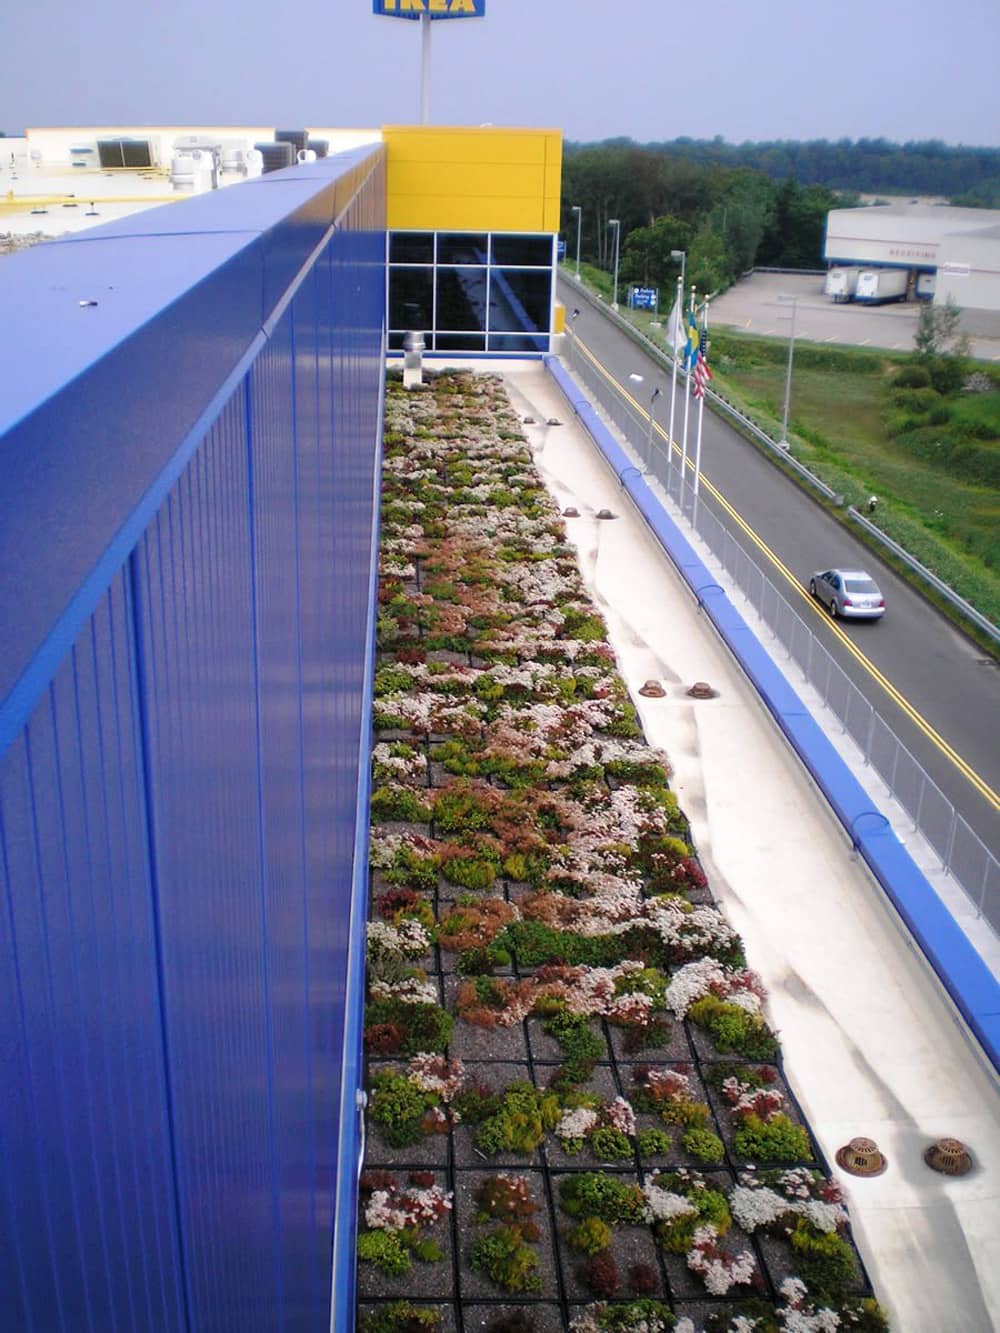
{"points": [[701, 373]]}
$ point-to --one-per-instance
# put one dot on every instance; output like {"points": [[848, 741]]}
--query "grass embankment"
{"points": [[844, 425], [933, 462]]}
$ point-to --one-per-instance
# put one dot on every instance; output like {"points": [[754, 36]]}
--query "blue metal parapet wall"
{"points": [[190, 431], [966, 978]]}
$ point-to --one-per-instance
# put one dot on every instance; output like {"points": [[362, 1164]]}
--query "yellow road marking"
{"points": [[969, 773]]}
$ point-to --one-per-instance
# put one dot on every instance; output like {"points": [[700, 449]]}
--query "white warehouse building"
{"points": [[952, 252]]}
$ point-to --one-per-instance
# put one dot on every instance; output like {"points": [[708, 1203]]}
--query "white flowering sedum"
{"points": [[408, 938], [664, 1205], [720, 1270], [412, 990], [707, 976]]}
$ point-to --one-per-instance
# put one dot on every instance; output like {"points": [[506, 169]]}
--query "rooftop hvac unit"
{"points": [[276, 155], [319, 146], [297, 138], [132, 153]]}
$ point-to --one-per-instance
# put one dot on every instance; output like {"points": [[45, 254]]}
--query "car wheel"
{"points": [[812, 587], [833, 608]]}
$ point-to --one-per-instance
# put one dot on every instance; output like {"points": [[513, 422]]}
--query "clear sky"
{"points": [[646, 69]]}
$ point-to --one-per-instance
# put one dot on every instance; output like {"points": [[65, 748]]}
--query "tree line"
{"points": [[730, 207]]}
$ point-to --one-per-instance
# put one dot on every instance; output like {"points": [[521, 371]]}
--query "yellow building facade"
{"points": [[472, 216]]}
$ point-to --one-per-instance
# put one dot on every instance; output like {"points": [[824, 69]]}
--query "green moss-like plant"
{"points": [[398, 1108], [581, 1046], [776, 1140], [398, 803], [653, 1143], [384, 1249], [734, 1029], [412, 870], [506, 1260], [610, 1145], [591, 1235], [703, 1144], [475, 873], [520, 1122], [596, 1194], [824, 1261], [423, 1027], [710, 1208], [400, 1317], [650, 1315]]}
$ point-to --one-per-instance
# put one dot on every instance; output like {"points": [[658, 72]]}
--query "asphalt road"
{"points": [[943, 678]]}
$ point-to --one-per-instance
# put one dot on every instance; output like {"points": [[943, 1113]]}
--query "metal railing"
{"points": [[928, 575], [961, 852]]}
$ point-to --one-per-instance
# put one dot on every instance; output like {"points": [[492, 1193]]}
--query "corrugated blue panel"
{"points": [[87, 1215], [180, 814], [197, 654]]}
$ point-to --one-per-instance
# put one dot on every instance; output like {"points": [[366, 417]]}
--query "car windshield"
{"points": [[859, 585]]}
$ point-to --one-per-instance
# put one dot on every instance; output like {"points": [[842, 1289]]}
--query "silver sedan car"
{"points": [[848, 592]]}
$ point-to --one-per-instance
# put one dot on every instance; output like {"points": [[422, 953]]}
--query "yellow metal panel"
{"points": [[479, 180], [482, 179], [558, 317]]}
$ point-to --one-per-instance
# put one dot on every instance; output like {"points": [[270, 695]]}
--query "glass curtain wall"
{"points": [[471, 291]]}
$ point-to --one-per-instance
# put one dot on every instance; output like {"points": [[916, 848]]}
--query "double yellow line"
{"points": [[920, 722]]}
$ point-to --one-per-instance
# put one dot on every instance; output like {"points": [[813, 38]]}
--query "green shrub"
{"points": [[776, 1140], [918, 401], [386, 1250], [703, 1144], [824, 1261], [911, 376], [734, 1029], [506, 1260], [590, 1235]]}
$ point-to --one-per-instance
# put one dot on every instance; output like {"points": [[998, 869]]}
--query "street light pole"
{"points": [[575, 208], [614, 222], [788, 380], [649, 434]]}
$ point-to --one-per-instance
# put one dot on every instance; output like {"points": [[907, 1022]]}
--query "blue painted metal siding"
{"points": [[189, 498]]}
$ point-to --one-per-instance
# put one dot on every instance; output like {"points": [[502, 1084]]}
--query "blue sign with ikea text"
{"points": [[433, 9]]}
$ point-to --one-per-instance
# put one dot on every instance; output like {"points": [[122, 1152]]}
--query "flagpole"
{"points": [[425, 69], [679, 307], [687, 408], [701, 413]]}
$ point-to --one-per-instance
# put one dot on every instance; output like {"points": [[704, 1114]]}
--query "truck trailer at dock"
{"points": [[841, 283], [877, 286]]}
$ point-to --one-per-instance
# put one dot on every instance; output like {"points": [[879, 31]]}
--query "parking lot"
{"points": [[762, 303]]}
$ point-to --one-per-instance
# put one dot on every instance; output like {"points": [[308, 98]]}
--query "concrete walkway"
{"points": [[871, 1044]]}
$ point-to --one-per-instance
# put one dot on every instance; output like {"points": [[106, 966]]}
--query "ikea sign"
{"points": [[432, 9]]}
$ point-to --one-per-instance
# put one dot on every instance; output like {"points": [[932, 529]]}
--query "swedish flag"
{"points": [[691, 350]]}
